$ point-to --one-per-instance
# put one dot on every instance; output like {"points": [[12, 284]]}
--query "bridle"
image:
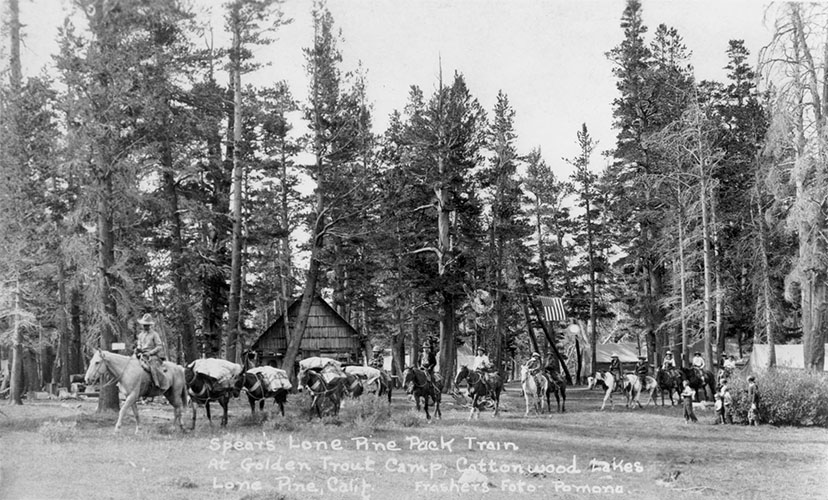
{"points": [[110, 369]]}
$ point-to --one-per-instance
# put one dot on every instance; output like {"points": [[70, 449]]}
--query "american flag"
{"points": [[553, 309]]}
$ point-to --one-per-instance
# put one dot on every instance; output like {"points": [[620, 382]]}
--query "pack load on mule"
{"points": [[318, 362], [211, 379], [273, 378], [223, 371], [264, 382], [367, 373]]}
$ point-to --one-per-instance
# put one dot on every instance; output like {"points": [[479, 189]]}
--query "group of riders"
{"points": [[428, 361], [642, 368]]}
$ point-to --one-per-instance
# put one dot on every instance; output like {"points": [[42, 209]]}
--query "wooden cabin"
{"points": [[326, 334]]}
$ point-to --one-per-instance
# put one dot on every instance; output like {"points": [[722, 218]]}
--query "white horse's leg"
{"points": [[129, 403], [607, 395]]}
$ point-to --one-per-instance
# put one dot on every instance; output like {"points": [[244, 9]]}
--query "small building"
{"points": [[326, 334]]}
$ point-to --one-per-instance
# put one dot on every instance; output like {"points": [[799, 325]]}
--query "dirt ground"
{"points": [[64, 450]]}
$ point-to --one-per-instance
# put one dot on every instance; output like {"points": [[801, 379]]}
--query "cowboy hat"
{"points": [[669, 353], [481, 349], [535, 355], [642, 357], [377, 348], [146, 320], [614, 355], [696, 354]]}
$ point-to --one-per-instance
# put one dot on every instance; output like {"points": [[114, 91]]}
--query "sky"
{"points": [[548, 56]]}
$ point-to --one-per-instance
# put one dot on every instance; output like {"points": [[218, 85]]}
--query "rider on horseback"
{"points": [[378, 360], [428, 361], [534, 363], [642, 370], [669, 363], [615, 370], [698, 364], [483, 365], [150, 349]]}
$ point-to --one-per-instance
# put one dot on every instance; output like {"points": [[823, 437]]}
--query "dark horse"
{"points": [[480, 385], [417, 384], [706, 380], [320, 389], [203, 389], [669, 380], [556, 386], [256, 389]]}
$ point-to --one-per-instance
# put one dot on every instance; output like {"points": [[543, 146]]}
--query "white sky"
{"points": [[548, 56]]}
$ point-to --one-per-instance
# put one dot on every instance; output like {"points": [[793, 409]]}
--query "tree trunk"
{"points": [[234, 314], [177, 263], [108, 399]]}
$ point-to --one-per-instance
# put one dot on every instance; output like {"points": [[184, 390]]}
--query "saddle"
{"points": [[157, 372]]}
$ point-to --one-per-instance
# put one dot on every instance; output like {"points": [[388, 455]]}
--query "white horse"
{"points": [[135, 382], [534, 388], [632, 388], [605, 381]]}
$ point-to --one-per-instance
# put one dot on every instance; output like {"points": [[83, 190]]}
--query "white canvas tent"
{"points": [[787, 356]]}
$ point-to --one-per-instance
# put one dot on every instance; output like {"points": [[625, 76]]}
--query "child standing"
{"points": [[753, 401], [688, 394], [720, 411], [727, 400]]}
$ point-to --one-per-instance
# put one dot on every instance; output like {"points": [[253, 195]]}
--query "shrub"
{"points": [[408, 419], [786, 397], [58, 432], [370, 413]]}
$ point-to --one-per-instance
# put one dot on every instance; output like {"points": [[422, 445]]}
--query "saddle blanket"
{"points": [[220, 369], [367, 372], [318, 362], [274, 378]]}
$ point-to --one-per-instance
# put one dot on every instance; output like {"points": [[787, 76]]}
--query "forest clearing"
{"points": [[644, 454]]}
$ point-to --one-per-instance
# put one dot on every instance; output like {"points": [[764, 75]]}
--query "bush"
{"points": [[786, 397], [58, 432], [408, 419], [371, 412]]}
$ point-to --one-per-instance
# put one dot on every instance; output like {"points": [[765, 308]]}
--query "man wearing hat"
{"points": [[698, 364], [428, 360], [377, 361], [669, 363], [534, 363], [615, 370], [151, 349], [481, 361], [642, 370]]}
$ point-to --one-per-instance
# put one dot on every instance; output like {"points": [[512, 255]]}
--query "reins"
{"points": [[112, 371]]}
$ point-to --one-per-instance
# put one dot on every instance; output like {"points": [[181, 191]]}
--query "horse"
{"points": [[632, 388], [204, 389], [534, 387], [135, 382], [417, 384], [320, 389], [254, 385], [703, 382], [669, 380], [604, 381], [556, 386], [480, 385]]}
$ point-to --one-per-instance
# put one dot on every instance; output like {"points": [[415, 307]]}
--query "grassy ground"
{"points": [[54, 450]]}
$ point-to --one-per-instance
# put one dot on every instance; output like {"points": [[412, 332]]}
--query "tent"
{"points": [[787, 356]]}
